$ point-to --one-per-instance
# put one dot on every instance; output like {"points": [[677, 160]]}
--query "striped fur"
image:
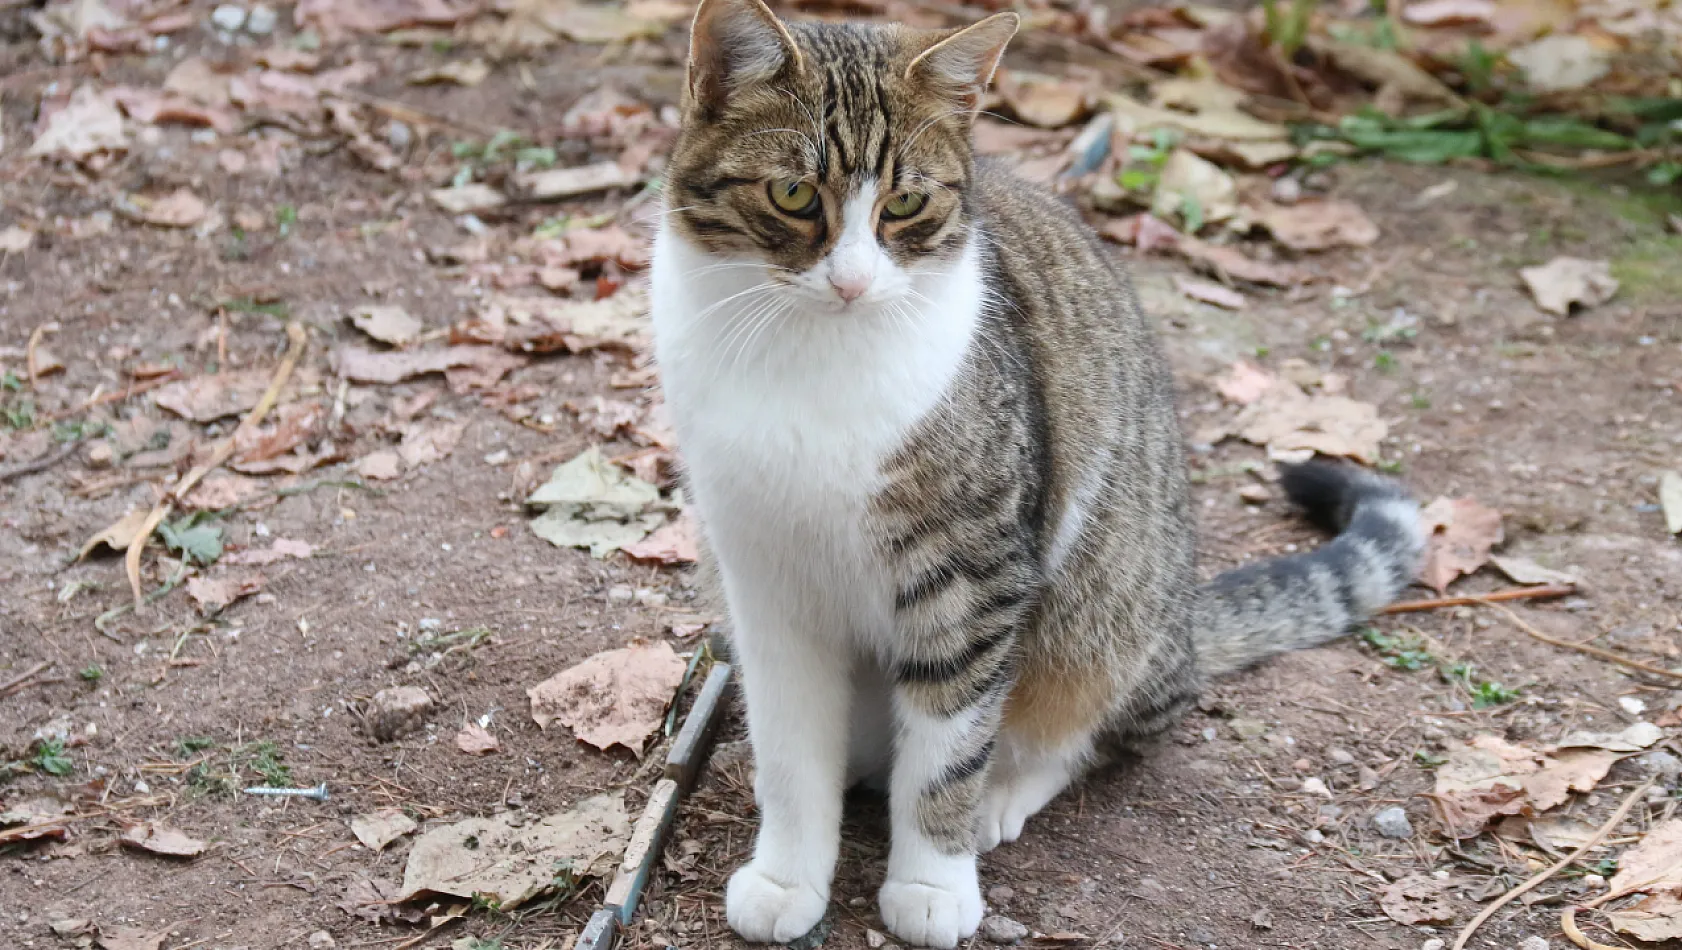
{"points": [[938, 467]]}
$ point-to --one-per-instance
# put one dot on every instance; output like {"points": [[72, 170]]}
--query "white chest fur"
{"points": [[784, 421]]}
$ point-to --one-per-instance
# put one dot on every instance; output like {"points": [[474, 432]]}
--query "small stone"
{"points": [[1254, 494], [228, 17], [1534, 943], [1202, 935], [620, 594], [1367, 778], [1341, 757], [1435, 943], [1003, 930], [397, 710], [1248, 728], [1593, 882], [100, 455], [322, 940], [1393, 822], [1287, 190], [1262, 919], [262, 20], [1210, 734], [1314, 836], [1314, 786], [1632, 705], [874, 939], [399, 136], [1001, 893]]}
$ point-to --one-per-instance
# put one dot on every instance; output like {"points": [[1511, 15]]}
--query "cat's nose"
{"points": [[850, 287]]}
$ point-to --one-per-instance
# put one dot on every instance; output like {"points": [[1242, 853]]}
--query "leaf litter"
{"points": [[614, 698], [589, 502], [1461, 535]]}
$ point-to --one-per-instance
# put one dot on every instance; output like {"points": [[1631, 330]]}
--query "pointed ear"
{"points": [[734, 43], [962, 64]]}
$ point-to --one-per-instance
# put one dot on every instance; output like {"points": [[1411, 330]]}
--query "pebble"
{"points": [[1593, 882], [1534, 943], [874, 939], [1003, 930], [1435, 943], [1315, 786], [1001, 893], [399, 136], [1254, 494], [1341, 757], [230, 18], [322, 940], [1393, 822], [620, 594], [1287, 190], [1202, 935], [1313, 836], [262, 20], [398, 709]]}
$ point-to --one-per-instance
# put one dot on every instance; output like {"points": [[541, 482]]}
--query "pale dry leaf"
{"points": [[160, 839], [1044, 101], [1223, 297], [1317, 225], [1198, 107], [607, 418], [475, 739], [216, 593], [1655, 864], [426, 443], [1394, 74], [1480, 780], [1191, 187], [197, 79], [614, 698], [1670, 499], [461, 73], [675, 542], [383, 465], [1656, 919], [1449, 12], [155, 107], [589, 481], [508, 859], [220, 490], [335, 18], [1243, 382], [1560, 62], [1574, 770], [470, 198], [118, 536], [1632, 738], [16, 240], [282, 549], [533, 24], [89, 125], [1293, 425], [1417, 899], [1230, 262], [1565, 282], [1521, 570], [379, 828], [1462, 533], [369, 366], [130, 938], [555, 184], [178, 209], [39, 816], [387, 323], [209, 398]]}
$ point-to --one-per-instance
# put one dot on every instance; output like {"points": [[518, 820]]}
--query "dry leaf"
{"points": [[508, 859], [548, 325], [1044, 101], [614, 698], [387, 323], [1565, 281], [16, 240], [1317, 225], [425, 444], [1525, 571], [215, 594], [557, 183], [220, 490], [1233, 263], [607, 418], [1482, 779], [1244, 383], [380, 828], [1224, 297], [464, 73], [1576, 770], [1293, 425], [178, 209], [369, 366], [1670, 499], [1656, 919], [130, 938], [88, 126], [282, 549], [158, 839], [594, 504], [1417, 899], [1448, 12], [675, 542], [474, 739], [334, 18], [1634, 738], [1188, 182], [1462, 534], [154, 107], [118, 536], [39, 816], [467, 199], [383, 465], [209, 398], [292, 425], [1655, 864], [1200, 107], [1560, 62]]}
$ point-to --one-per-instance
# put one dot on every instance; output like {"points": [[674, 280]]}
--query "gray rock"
{"points": [[262, 20], [399, 136], [1393, 822], [228, 17], [1435, 943], [1664, 763], [1001, 893], [398, 710], [1534, 943], [322, 940], [1003, 930]]}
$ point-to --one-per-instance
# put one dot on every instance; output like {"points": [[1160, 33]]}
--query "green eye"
{"points": [[905, 205], [798, 198]]}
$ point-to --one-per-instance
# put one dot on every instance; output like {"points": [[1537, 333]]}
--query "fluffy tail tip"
{"points": [[1330, 492]]}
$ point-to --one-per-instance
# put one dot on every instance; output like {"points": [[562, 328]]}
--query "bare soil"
{"points": [[1209, 840]]}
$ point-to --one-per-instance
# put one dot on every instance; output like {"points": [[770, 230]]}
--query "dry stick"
{"points": [[1594, 839], [295, 333], [41, 464], [119, 395], [27, 675], [1544, 592], [1597, 652], [1568, 923]]}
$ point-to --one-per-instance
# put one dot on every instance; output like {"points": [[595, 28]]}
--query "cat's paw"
{"points": [[1010, 800], [763, 910], [932, 915]]}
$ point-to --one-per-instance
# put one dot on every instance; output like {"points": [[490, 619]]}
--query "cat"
{"points": [[931, 443]]}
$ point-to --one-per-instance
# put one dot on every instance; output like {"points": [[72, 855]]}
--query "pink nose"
{"points": [[850, 288]]}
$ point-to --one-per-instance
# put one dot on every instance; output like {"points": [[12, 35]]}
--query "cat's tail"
{"points": [[1254, 612]]}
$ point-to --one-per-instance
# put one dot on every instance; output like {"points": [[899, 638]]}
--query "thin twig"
{"points": [[1582, 849], [1545, 592], [1568, 923], [1596, 652], [119, 395], [296, 334], [39, 465], [17, 682]]}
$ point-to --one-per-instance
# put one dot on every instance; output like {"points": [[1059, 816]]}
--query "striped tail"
{"points": [[1261, 610]]}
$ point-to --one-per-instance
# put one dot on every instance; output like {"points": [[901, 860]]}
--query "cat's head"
{"points": [[838, 155]]}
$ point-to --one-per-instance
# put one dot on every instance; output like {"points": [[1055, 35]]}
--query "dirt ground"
{"points": [[1217, 838]]}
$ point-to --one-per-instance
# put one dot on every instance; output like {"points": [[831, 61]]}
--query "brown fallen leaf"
{"points": [[1244, 383], [1417, 899], [293, 425], [1044, 101], [130, 938], [221, 490], [155, 107], [209, 398], [383, 465], [1144, 231], [1230, 262], [1521, 570], [1574, 770], [369, 366], [425, 443], [1482, 779], [1293, 425], [178, 209], [379, 828], [1656, 919], [118, 536], [614, 698], [35, 818], [217, 593], [1565, 282], [1224, 297], [282, 549], [335, 18], [1316, 225], [549, 325], [159, 839], [1462, 534], [608, 418], [1449, 12], [475, 739], [86, 128], [1655, 864], [675, 542], [387, 323], [462, 73]]}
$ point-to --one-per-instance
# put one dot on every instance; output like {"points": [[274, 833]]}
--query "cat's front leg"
{"points": [[798, 690]]}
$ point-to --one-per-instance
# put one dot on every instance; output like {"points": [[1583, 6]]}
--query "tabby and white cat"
{"points": [[932, 444]]}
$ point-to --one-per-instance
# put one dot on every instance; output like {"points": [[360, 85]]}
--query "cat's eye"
{"points": [[798, 198], [904, 205]]}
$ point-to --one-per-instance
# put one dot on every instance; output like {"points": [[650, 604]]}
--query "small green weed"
{"points": [[1402, 653], [91, 674], [191, 538], [285, 219], [50, 757], [10, 382], [1384, 361], [1419, 401], [19, 415]]}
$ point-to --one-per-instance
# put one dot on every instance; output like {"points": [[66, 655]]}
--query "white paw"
{"points": [[763, 910], [1004, 810], [932, 915]]}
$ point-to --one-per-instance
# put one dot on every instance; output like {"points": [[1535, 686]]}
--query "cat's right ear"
{"points": [[961, 63], [732, 44]]}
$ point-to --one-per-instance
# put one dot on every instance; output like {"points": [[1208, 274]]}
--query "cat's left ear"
{"points": [[961, 64], [732, 44]]}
